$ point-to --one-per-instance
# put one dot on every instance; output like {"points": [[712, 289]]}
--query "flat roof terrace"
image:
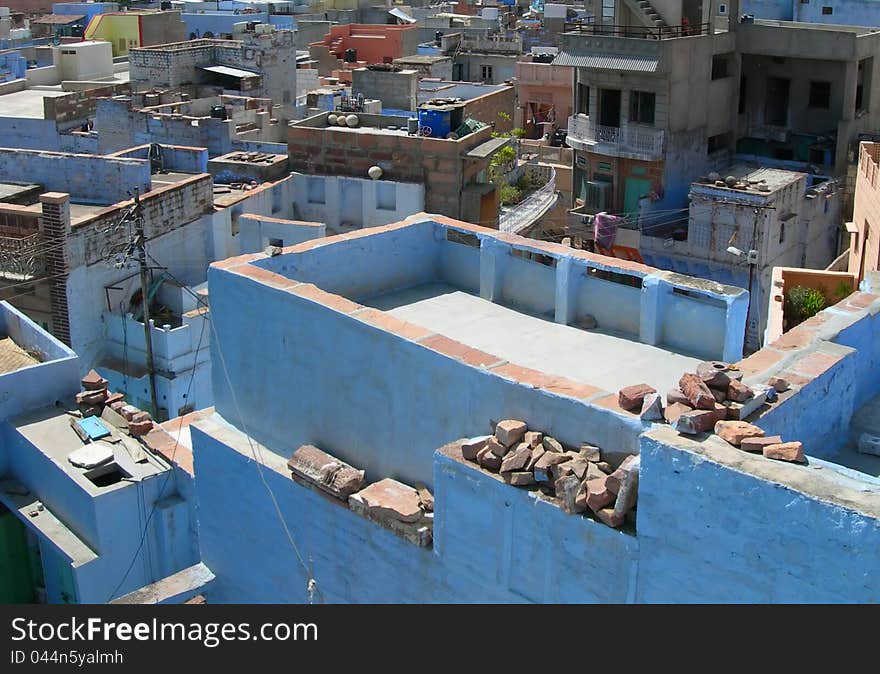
{"points": [[603, 358], [438, 326]]}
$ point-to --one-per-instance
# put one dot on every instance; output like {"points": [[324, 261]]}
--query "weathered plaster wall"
{"points": [[256, 231], [77, 174], [528, 551], [56, 377], [719, 525]]}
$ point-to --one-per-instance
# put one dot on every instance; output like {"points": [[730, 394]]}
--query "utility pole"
{"points": [[140, 246]]}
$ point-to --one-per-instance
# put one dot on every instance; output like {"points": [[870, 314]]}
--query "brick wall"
{"points": [[78, 105], [17, 220], [437, 164], [55, 225], [164, 210], [486, 108]]}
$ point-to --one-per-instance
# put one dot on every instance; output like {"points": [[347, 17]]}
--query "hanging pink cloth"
{"points": [[604, 229]]}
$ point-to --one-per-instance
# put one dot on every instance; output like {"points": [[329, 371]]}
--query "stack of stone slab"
{"points": [[581, 480], [714, 399], [751, 438], [407, 511], [95, 397]]}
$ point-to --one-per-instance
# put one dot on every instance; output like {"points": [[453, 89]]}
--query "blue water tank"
{"points": [[439, 120]]}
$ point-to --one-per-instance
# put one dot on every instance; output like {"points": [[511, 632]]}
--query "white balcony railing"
{"points": [[631, 139], [524, 214]]}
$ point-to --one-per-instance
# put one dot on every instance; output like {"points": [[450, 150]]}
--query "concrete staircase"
{"points": [[646, 13]]}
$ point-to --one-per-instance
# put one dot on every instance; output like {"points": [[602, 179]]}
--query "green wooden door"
{"points": [[634, 189], [16, 583]]}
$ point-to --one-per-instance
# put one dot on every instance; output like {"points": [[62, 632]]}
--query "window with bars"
{"points": [[698, 234]]}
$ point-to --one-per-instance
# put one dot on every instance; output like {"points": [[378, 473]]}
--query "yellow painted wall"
{"points": [[122, 31]]}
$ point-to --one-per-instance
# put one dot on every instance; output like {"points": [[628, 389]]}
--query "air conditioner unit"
{"points": [[598, 195]]}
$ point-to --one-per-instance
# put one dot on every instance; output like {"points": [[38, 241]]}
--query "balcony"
{"points": [[22, 257], [519, 218], [656, 33], [625, 141]]}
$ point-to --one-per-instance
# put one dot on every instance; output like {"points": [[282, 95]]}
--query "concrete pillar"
{"points": [[493, 258], [649, 316], [566, 273], [734, 335]]}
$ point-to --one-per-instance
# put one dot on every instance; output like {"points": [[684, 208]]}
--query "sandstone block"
{"points": [[510, 431], [519, 478], [786, 451], [497, 448], [590, 452], [714, 374], [517, 459], [698, 394], [489, 460], [779, 384], [700, 421], [675, 410], [471, 447], [631, 397], [533, 438], [551, 444], [757, 444], [739, 392], [735, 432], [325, 471]]}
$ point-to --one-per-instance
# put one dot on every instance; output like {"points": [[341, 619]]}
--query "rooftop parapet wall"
{"points": [[87, 178], [173, 157], [720, 525], [340, 359], [829, 283], [529, 550], [55, 377], [165, 209], [831, 361]]}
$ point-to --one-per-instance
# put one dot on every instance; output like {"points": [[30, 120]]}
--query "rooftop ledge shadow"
{"points": [[375, 298]]}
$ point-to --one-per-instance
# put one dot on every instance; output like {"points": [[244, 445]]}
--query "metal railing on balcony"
{"points": [[527, 212], [658, 33], [633, 139], [22, 257]]}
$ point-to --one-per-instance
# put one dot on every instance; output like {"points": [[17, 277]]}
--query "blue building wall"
{"points": [[843, 12], [527, 550], [43, 383], [719, 525], [78, 174], [88, 9], [30, 134], [218, 23], [111, 522], [12, 67]]}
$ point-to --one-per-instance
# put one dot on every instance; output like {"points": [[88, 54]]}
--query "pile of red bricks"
{"points": [[95, 396], [750, 438], [714, 399], [582, 480]]}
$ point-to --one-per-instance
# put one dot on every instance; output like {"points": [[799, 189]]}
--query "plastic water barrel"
{"points": [[439, 120]]}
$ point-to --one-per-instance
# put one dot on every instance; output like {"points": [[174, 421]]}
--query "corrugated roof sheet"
{"points": [[608, 62], [234, 72], [400, 14]]}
